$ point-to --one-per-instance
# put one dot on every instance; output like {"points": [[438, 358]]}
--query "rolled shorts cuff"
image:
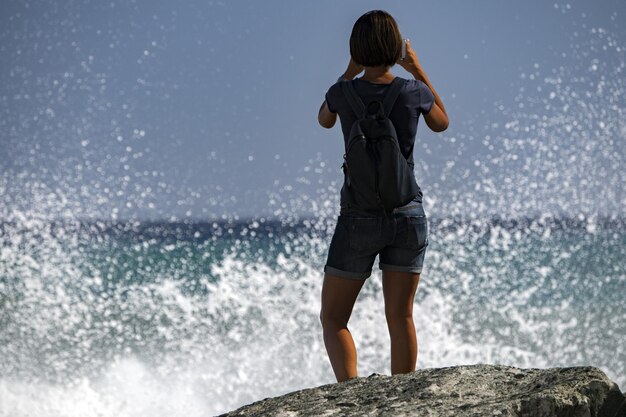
{"points": [[347, 274], [396, 268]]}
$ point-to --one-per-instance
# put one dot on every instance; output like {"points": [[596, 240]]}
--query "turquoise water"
{"points": [[190, 319]]}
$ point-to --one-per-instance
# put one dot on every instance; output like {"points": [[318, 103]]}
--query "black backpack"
{"points": [[377, 177]]}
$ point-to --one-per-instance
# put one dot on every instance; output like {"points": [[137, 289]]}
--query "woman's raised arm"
{"points": [[437, 118], [325, 117]]}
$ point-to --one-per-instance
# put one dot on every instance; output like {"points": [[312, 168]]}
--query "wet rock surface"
{"points": [[471, 390]]}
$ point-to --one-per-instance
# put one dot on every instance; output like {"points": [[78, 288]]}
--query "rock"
{"points": [[472, 390]]}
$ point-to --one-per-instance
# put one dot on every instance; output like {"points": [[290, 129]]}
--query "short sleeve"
{"points": [[330, 96], [426, 97]]}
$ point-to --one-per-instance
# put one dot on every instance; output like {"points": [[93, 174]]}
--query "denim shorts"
{"points": [[400, 241]]}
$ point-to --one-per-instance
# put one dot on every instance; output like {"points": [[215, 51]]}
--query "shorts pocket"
{"points": [[417, 232], [364, 232]]}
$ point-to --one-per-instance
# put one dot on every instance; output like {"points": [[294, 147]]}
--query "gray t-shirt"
{"points": [[415, 98]]}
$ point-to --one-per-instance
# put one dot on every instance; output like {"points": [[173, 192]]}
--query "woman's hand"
{"points": [[410, 62], [353, 70]]}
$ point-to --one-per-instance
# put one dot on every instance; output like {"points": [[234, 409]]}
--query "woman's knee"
{"points": [[396, 316], [398, 312], [327, 318]]}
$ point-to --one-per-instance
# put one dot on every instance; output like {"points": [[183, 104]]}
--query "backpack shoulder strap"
{"points": [[392, 94], [352, 97]]}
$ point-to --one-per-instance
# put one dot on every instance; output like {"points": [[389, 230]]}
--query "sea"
{"points": [[110, 318]]}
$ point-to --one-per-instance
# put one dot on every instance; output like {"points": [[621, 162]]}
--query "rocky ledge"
{"points": [[473, 390]]}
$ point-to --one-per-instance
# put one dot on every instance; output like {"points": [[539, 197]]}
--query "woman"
{"points": [[400, 241]]}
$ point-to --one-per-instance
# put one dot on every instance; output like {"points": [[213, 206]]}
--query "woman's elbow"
{"points": [[326, 123], [323, 124], [441, 127], [437, 127], [436, 119]]}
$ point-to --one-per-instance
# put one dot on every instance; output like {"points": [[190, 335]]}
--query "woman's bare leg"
{"points": [[338, 297], [399, 291]]}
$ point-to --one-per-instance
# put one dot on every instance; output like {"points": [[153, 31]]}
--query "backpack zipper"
{"points": [[344, 166], [345, 169], [378, 197]]}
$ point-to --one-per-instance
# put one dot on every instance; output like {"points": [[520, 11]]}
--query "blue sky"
{"points": [[202, 109]]}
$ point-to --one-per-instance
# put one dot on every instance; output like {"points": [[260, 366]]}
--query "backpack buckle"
{"points": [[375, 110]]}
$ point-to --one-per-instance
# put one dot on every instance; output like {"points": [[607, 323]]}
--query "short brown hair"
{"points": [[375, 40]]}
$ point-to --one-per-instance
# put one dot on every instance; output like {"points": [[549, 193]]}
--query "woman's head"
{"points": [[375, 40]]}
